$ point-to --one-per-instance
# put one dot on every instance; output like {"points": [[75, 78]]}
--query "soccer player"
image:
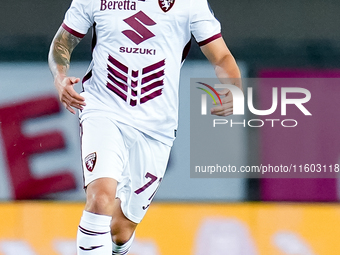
{"points": [[129, 103]]}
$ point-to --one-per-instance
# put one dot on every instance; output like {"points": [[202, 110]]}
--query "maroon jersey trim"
{"points": [[210, 39], [71, 31]]}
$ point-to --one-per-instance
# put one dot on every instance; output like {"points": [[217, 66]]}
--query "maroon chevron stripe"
{"points": [[153, 66], [119, 65], [134, 92], [153, 76], [117, 91], [152, 86], [116, 73], [151, 96], [133, 102], [134, 83], [148, 88], [134, 74], [118, 83]]}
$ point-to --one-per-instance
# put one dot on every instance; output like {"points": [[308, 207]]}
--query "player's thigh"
{"points": [[148, 159], [103, 150]]}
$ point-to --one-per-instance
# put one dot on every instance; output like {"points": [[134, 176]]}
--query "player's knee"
{"points": [[100, 202], [121, 238], [122, 228]]}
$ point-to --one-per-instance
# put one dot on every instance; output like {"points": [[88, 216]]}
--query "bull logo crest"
{"points": [[166, 5], [90, 161]]}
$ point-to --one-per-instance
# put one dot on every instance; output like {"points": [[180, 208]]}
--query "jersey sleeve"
{"points": [[79, 18], [203, 24]]}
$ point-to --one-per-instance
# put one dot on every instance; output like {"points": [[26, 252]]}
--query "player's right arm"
{"points": [[59, 58], [207, 32], [226, 70]]}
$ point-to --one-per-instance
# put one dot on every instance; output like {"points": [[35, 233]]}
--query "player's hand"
{"points": [[67, 95], [227, 104]]}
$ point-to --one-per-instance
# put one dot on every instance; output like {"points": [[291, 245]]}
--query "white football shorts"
{"points": [[137, 161]]}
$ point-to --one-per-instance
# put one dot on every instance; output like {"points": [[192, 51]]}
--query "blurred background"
{"points": [[41, 182]]}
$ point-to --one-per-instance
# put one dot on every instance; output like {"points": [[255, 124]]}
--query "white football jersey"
{"points": [[138, 49]]}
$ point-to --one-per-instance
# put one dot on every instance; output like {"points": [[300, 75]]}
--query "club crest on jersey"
{"points": [[166, 5], [90, 161]]}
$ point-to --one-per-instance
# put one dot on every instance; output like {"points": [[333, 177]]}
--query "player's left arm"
{"points": [[226, 70]]}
